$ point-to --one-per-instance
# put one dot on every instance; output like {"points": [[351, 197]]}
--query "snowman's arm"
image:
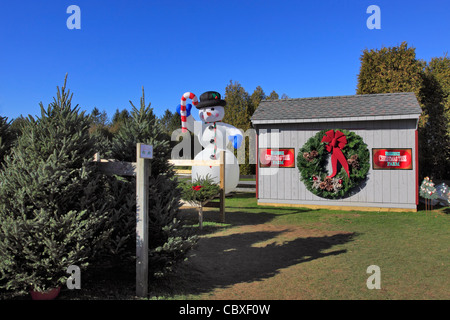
{"points": [[191, 124]]}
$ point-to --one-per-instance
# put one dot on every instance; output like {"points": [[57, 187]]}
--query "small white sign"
{"points": [[146, 151]]}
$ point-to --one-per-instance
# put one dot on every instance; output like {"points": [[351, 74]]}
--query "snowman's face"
{"points": [[211, 114]]}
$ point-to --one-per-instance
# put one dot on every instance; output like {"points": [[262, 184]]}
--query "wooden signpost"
{"points": [[142, 170], [144, 153]]}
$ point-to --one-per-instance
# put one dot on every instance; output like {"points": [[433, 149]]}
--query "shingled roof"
{"points": [[355, 107]]}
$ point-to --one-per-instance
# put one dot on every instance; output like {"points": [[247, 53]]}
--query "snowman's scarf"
{"points": [[213, 156]]}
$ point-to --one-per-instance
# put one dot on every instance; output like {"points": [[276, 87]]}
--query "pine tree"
{"points": [[169, 241], [6, 137], [53, 208]]}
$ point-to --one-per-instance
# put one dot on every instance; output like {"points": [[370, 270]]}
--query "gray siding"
{"points": [[383, 188]]}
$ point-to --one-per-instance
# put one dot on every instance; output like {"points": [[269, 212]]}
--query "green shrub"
{"points": [[200, 191]]}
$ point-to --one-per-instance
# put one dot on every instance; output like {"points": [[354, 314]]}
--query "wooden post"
{"points": [[200, 216], [142, 174], [222, 186]]}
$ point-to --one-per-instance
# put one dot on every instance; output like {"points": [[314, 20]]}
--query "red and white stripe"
{"points": [[183, 113]]}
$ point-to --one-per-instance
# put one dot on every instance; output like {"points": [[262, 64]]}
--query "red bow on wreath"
{"points": [[336, 141]]}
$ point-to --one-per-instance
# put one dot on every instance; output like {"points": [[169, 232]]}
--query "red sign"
{"points": [[280, 158], [399, 159]]}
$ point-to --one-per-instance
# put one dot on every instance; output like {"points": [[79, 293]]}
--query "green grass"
{"points": [[264, 252], [411, 249]]}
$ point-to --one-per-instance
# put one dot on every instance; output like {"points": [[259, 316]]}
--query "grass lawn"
{"points": [[295, 253]]}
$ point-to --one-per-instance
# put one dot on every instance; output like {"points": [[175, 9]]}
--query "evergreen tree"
{"points": [[237, 108], [273, 96], [17, 125], [99, 118], [6, 137], [53, 208], [118, 119], [237, 113], [169, 242], [396, 69], [100, 130], [392, 69], [436, 101], [257, 96], [169, 122]]}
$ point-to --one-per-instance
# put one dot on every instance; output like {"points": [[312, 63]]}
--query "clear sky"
{"points": [[300, 48]]}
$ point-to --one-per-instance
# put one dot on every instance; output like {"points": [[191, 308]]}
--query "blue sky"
{"points": [[300, 48]]}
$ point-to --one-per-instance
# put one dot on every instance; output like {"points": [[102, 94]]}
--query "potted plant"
{"points": [[45, 295]]}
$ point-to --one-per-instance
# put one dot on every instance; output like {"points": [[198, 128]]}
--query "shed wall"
{"points": [[383, 188]]}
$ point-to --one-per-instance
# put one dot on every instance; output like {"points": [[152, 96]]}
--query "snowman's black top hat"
{"points": [[210, 99]]}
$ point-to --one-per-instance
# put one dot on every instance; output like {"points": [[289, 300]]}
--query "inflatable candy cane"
{"points": [[183, 113]]}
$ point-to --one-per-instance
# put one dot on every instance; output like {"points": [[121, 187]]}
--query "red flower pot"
{"points": [[47, 295]]}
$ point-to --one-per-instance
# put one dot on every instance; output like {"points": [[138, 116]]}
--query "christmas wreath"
{"points": [[350, 161]]}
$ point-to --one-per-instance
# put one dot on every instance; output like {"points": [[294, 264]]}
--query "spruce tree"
{"points": [[169, 242], [53, 207]]}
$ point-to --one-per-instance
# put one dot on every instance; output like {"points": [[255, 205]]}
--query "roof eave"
{"points": [[365, 118]]}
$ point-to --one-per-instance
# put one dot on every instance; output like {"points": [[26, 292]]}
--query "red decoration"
{"points": [[340, 181], [336, 141], [314, 178], [197, 188]]}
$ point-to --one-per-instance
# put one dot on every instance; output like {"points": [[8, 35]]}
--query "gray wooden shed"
{"points": [[383, 121]]}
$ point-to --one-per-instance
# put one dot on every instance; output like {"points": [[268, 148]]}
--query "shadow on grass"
{"points": [[222, 261], [237, 213], [212, 221]]}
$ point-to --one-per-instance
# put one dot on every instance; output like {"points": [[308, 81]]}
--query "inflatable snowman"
{"points": [[213, 135]]}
